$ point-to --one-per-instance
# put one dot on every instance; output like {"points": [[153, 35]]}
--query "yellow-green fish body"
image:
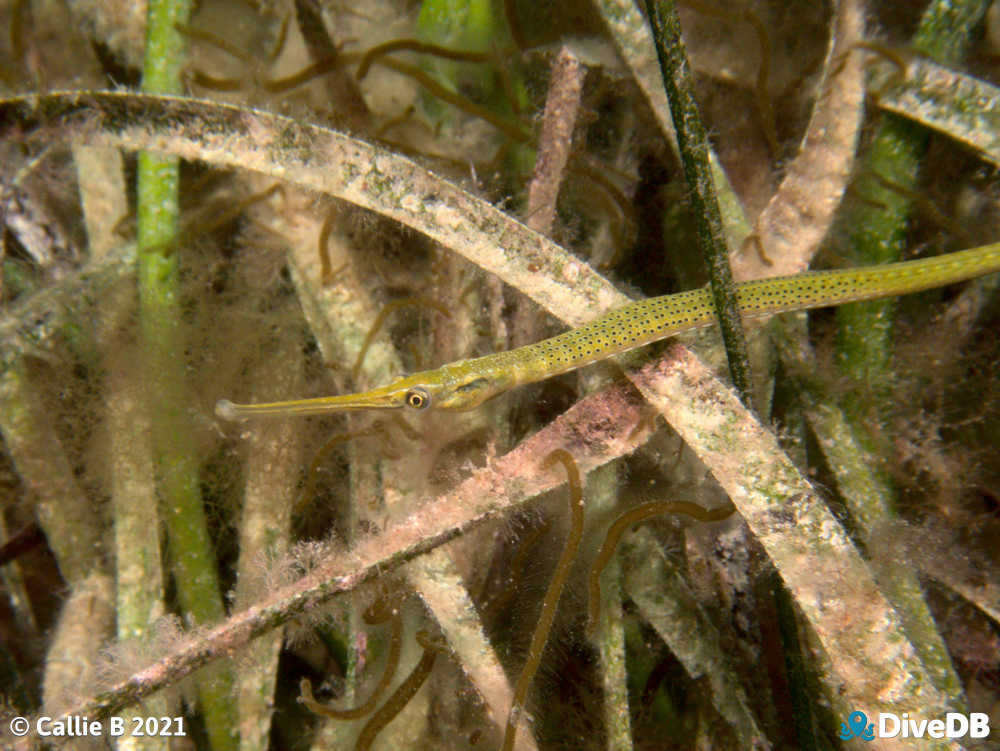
{"points": [[466, 384]]}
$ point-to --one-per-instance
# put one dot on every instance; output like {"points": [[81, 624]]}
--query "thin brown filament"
{"points": [[325, 267], [17, 12], [467, 290], [203, 80], [551, 601], [417, 355], [514, 24], [405, 428], [619, 527], [754, 239], [855, 192], [763, 70], [392, 122], [894, 57], [380, 429], [646, 422], [514, 571], [503, 64], [321, 67], [511, 129], [378, 613], [274, 86], [223, 218], [927, 207], [615, 198], [386, 311], [434, 643], [618, 233], [407, 150], [415, 45], [401, 697], [377, 429], [194, 228], [497, 161], [763, 78], [312, 475], [279, 41], [124, 227], [192, 193], [484, 167], [335, 273], [216, 41]]}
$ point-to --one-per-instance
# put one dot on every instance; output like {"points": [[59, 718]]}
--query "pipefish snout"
{"points": [[466, 384]]}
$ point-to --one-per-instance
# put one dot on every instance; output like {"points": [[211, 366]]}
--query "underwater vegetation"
{"points": [[580, 543]]}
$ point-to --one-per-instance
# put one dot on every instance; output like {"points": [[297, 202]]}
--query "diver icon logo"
{"points": [[954, 725], [859, 727]]}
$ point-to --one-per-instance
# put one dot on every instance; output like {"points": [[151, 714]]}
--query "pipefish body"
{"points": [[466, 384]]}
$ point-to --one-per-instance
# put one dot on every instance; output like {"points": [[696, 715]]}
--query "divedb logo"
{"points": [[889, 725]]}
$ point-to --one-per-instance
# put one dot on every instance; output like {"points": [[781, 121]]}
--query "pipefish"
{"points": [[466, 384]]}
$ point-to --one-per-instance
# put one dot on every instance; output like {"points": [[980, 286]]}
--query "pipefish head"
{"points": [[455, 387]]}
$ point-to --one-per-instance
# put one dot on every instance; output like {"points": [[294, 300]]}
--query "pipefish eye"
{"points": [[418, 398]]}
